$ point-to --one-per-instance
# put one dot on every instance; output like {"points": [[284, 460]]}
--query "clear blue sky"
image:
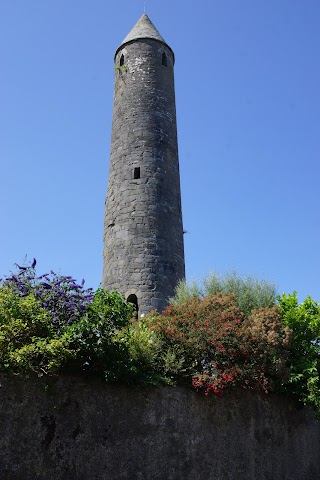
{"points": [[248, 103]]}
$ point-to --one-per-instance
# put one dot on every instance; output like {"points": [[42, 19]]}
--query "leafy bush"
{"points": [[228, 333], [217, 348], [28, 339], [304, 361], [271, 339], [112, 346], [146, 352], [184, 291], [110, 308], [249, 293], [60, 295], [97, 340], [143, 345], [36, 334]]}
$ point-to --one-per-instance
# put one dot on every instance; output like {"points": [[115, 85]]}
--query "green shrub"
{"points": [[184, 291], [145, 350], [28, 340], [304, 361], [111, 308], [96, 338], [227, 333], [249, 293], [143, 345]]}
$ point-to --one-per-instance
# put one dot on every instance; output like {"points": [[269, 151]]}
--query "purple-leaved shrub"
{"points": [[61, 296]]}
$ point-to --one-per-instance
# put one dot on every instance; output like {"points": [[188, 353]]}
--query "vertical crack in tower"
{"points": [[143, 234]]}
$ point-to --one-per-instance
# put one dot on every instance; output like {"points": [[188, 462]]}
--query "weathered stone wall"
{"points": [[69, 429], [143, 234]]}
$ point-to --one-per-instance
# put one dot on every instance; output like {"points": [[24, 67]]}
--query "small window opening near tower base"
{"points": [[121, 60], [164, 60], [134, 300], [136, 173]]}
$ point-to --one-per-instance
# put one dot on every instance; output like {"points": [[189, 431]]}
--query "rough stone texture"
{"points": [[68, 429], [143, 234], [144, 28]]}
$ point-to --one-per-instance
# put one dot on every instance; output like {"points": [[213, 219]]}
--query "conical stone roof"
{"points": [[144, 28]]}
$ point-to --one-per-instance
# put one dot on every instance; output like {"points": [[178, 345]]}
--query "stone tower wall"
{"points": [[143, 235]]}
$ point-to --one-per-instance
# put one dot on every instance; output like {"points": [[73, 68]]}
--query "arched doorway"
{"points": [[134, 300]]}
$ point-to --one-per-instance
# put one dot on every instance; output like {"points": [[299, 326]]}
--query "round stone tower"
{"points": [[143, 234]]}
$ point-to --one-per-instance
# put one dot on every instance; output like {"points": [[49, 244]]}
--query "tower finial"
{"points": [[145, 7]]}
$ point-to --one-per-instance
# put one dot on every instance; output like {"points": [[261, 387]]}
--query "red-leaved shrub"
{"points": [[222, 348]]}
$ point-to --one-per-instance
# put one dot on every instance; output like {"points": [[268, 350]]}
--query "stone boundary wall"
{"points": [[67, 428]]}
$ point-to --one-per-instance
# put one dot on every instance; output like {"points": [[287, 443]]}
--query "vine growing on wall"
{"points": [[121, 68]]}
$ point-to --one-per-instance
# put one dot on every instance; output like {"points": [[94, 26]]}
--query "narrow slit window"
{"points": [[164, 60], [136, 173], [121, 60]]}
